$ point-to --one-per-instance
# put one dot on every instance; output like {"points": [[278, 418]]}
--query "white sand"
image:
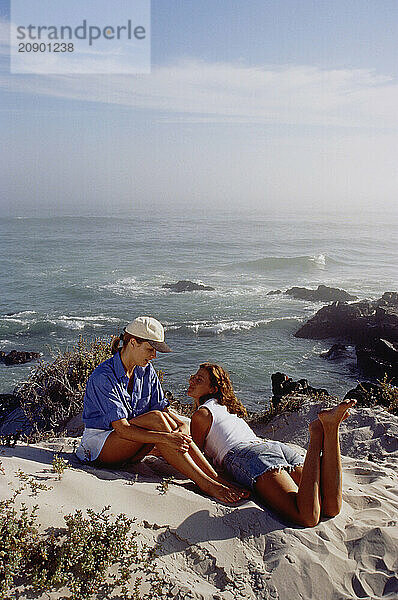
{"points": [[211, 551]]}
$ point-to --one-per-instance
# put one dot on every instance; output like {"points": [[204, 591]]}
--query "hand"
{"points": [[178, 441]]}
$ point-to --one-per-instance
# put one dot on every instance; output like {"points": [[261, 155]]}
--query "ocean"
{"points": [[65, 277]]}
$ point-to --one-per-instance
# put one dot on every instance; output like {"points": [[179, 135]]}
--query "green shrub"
{"points": [[59, 465], [77, 557], [18, 537], [54, 392], [390, 395]]}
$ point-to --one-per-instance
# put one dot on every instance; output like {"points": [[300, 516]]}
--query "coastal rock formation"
{"points": [[184, 285], [274, 293], [323, 293], [335, 352], [368, 394], [360, 322], [379, 360], [371, 325], [16, 357], [282, 385]]}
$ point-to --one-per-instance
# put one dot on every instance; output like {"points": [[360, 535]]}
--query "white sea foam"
{"points": [[223, 326], [319, 260], [79, 322]]}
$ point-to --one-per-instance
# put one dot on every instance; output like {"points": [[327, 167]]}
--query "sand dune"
{"points": [[211, 551]]}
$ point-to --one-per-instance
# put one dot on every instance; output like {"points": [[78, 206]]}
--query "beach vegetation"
{"points": [[54, 391], [390, 395], [29, 481], [91, 557], [163, 486], [59, 465]]}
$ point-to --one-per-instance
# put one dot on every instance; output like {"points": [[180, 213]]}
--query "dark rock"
{"points": [[8, 402], [388, 299], [16, 357], [360, 322], [379, 360], [323, 293], [367, 394], [335, 352], [282, 385], [185, 285], [16, 422], [274, 292]]}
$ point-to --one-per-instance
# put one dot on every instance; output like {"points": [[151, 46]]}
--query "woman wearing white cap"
{"points": [[125, 412]]}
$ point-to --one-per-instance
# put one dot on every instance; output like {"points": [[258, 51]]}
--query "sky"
{"points": [[258, 104]]}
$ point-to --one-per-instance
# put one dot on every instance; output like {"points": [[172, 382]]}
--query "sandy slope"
{"points": [[211, 551]]}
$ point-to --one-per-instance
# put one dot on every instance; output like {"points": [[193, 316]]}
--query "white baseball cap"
{"points": [[150, 330]]}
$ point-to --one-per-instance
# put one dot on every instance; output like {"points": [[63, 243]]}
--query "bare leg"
{"points": [[203, 464], [319, 481], [331, 471], [298, 504], [201, 461], [184, 463], [117, 449]]}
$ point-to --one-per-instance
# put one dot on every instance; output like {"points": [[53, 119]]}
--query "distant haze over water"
{"points": [[62, 277]]}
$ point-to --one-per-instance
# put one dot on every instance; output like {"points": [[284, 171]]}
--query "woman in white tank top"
{"points": [[301, 491]]}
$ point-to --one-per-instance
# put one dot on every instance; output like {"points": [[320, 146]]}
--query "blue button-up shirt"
{"points": [[107, 399]]}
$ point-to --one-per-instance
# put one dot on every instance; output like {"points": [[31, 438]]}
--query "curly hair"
{"points": [[225, 394]]}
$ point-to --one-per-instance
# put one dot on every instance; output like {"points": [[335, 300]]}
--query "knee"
{"points": [[159, 420]]}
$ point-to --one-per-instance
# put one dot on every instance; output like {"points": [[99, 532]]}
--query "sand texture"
{"points": [[211, 551]]}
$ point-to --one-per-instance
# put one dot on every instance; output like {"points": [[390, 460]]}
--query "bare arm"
{"points": [[200, 426], [128, 431]]}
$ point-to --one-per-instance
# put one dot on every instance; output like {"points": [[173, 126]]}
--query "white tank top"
{"points": [[226, 431]]}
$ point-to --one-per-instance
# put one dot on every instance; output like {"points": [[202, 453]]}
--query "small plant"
{"points": [[59, 465], [390, 395], [30, 481], [163, 486], [18, 536]]}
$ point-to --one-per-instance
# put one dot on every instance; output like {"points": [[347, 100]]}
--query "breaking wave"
{"points": [[275, 263], [208, 328]]}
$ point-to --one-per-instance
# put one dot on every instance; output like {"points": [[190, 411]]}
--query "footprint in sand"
{"points": [[361, 502]]}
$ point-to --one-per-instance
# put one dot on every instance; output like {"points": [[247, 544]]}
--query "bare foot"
{"points": [[226, 494], [334, 416], [230, 484]]}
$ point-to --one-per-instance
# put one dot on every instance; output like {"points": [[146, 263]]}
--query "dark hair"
{"points": [[125, 338], [225, 395]]}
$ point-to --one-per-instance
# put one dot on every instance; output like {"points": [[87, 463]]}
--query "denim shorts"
{"points": [[249, 460]]}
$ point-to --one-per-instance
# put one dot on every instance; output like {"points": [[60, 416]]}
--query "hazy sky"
{"points": [[257, 103]]}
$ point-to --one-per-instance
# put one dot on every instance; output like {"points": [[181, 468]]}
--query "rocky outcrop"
{"points": [[361, 322], [335, 352], [323, 293], [368, 394], [371, 325], [16, 357], [184, 285], [282, 385], [274, 293], [379, 360]]}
